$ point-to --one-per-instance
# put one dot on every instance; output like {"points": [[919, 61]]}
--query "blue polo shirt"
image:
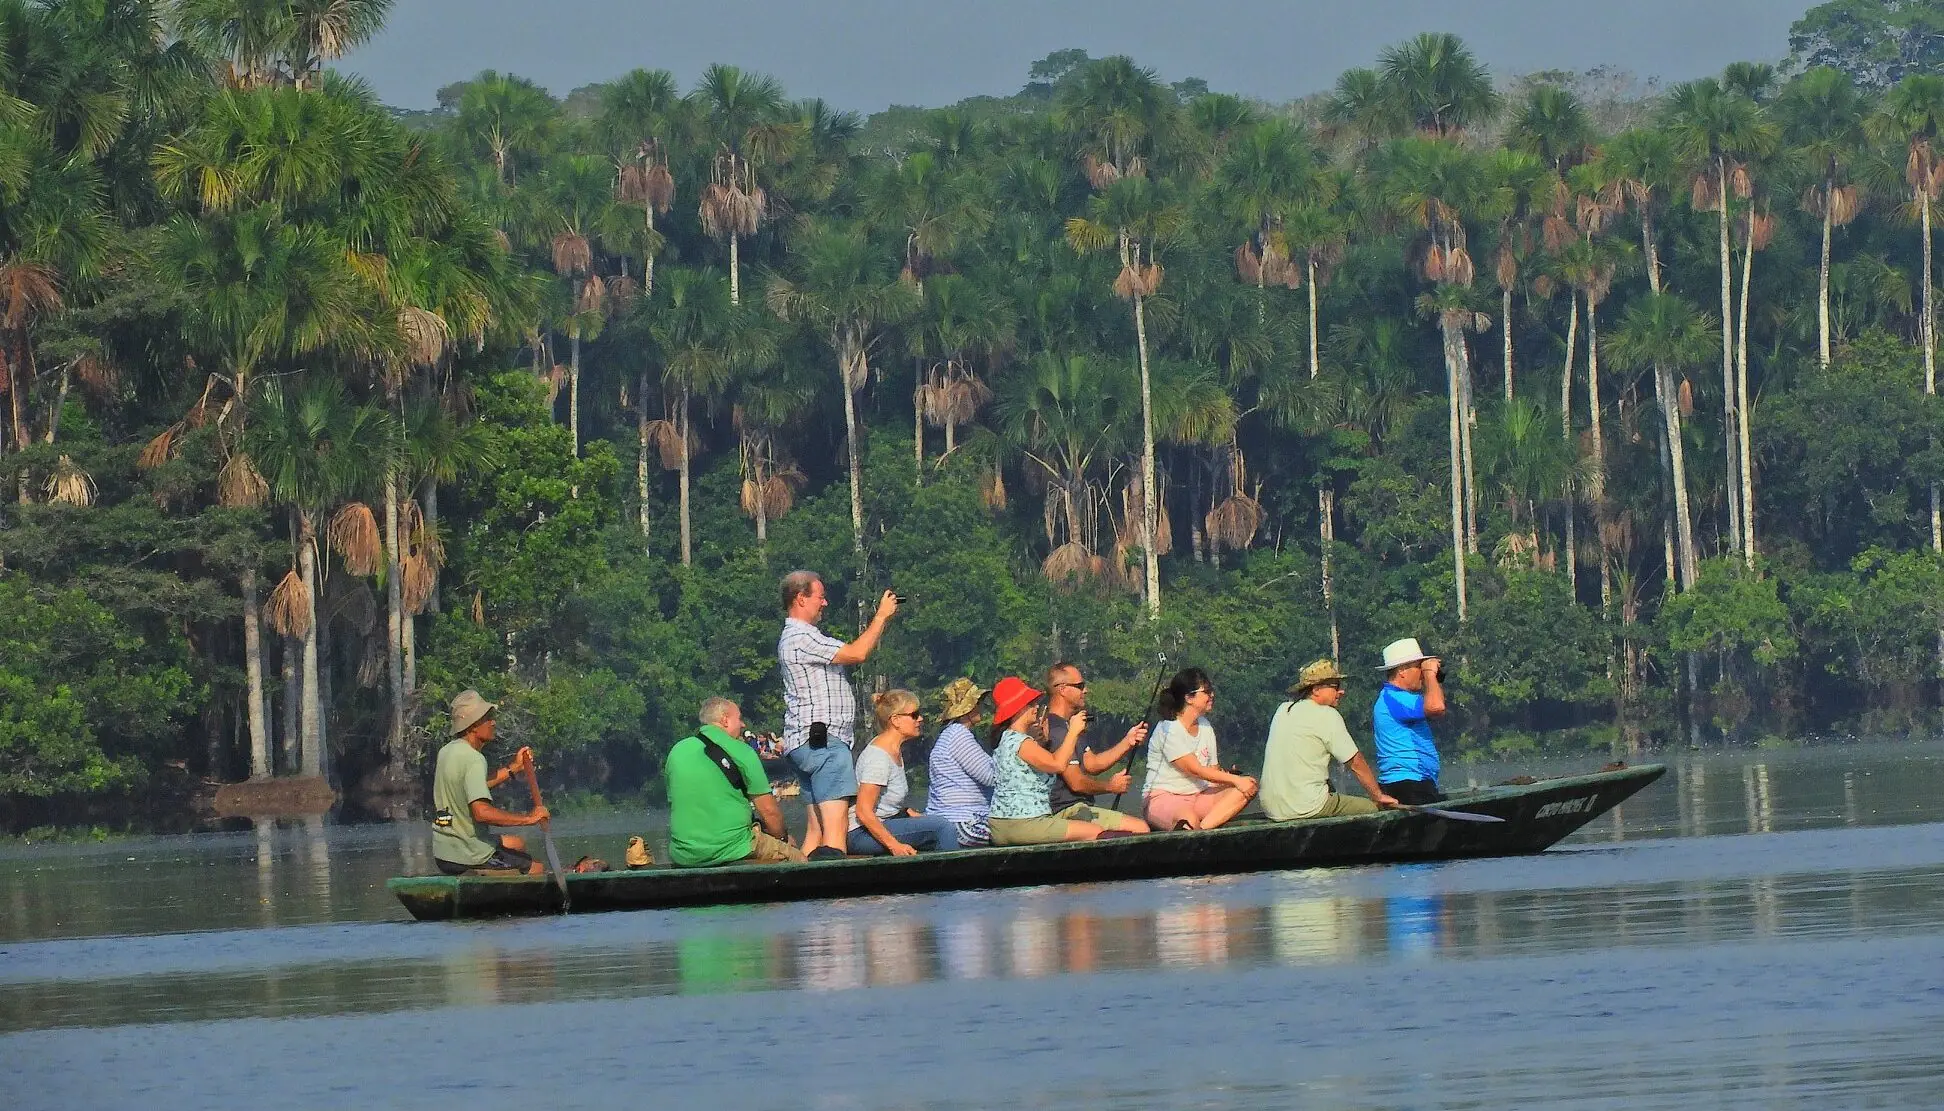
{"points": [[1405, 748]]}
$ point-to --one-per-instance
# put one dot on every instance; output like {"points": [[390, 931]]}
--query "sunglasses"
{"points": [[913, 714], [1079, 686]]}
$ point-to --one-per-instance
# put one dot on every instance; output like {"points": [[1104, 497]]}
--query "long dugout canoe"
{"points": [[1536, 816]]}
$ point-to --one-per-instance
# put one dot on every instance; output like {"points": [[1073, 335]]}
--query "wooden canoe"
{"points": [[1536, 816]]}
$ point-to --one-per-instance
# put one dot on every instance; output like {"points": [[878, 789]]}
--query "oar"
{"points": [[1452, 815], [1146, 713], [546, 834]]}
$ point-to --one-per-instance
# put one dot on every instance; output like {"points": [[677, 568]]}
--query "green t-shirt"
{"points": [[708, 819], [1303, 738], [457, 779]]}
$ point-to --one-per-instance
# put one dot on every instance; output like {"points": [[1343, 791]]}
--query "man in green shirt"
{"points": [[462, 799], [708, 811], [1304, 736]]}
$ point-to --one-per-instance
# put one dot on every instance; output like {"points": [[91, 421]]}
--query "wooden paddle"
{"points": [[1146, 713], [1452, 815], [546, 835]]}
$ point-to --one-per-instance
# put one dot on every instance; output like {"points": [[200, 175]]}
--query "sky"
{"points": [[865, 55]]}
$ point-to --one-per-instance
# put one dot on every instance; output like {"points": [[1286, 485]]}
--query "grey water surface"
{"points": [[1757, 929]]}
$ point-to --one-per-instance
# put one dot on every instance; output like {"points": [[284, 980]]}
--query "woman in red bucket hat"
{"points": [[1023, 767]]}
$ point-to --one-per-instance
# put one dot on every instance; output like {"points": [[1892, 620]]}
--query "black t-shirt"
{"points": [[1061, 795]]}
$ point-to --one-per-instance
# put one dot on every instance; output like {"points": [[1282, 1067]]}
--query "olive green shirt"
{"points": [[1303, 738], [458, 779]]}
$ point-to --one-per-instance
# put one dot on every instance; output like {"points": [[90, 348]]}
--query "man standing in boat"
{"points": [[819, 707], [1304, 736], [462, 799], [1073, 791], [1407, 754], [714, 782]]}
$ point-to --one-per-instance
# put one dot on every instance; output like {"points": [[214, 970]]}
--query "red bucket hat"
{"points": [[1011, 696]]}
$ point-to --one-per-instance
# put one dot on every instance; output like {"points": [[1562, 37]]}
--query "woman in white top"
{"points": [[1186, 787], [880, 822]]}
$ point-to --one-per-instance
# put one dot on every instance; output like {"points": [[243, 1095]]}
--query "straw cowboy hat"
{"points": [[1315, 674], [1400, 652], [468, 710], [959, 698], [1010, 697]]}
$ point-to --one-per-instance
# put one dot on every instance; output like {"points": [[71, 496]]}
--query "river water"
{"points": [[1758, 929]]}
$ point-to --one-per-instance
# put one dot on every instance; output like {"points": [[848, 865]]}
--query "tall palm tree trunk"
{"points": [[1598, 491], [253, 676], [683, 431], [1929, 329], [1683, 520], [641, 455], [313, 703], [1466, 427], [1744, 427], [1566, 431], [1729, 402], [1151, 561], [1649, 251], [573, 385], [1454, 399], [735, 269], [293, 704], [848, 354], [1325, 495], [918, 417], [1822, 277], [395, 620], [647, 256], [1505, 315]]}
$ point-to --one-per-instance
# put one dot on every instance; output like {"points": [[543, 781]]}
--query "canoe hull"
{"points": [[1536, 816]]}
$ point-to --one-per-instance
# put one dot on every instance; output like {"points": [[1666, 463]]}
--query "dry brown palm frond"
{"points": [[992, 490], [97, 375], [418, 577], [1544, 287], [1234, 523], [161, 449], [1433, 267], [631, 184], [1687, 398], [666, 439], [371, 662], [27, 290], [660, 187], [1844, 204], [622, 291], [1516, 549], [1505, 268], [1705, 192], [1100, 174], [556, 379], [1458, 267], [289, 607], [593, 295], [1758, 227], [69, 484], [1138, 281], [239, 486], [1741, 183], [571, 253], [426, 335], [479, 608], [1248, 266], [1590, 215], [353, 533], [1068, 563], [857, 369]]}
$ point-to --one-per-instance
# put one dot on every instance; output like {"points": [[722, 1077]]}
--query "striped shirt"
{"points": [[814, 688], [960, 771]]}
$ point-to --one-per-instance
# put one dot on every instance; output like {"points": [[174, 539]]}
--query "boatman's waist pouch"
{"points": [[442, 819]]}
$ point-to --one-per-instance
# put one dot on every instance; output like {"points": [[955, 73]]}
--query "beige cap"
{"points": [[468, 710]]}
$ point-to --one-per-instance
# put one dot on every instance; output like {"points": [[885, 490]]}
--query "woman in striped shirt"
{"points": [[960, 770]]}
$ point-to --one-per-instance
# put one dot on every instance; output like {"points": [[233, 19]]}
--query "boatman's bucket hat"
{"points": [[1315, 674], [468, 710], [1010, 697]]}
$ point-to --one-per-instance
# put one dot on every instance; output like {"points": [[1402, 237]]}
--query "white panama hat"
{"points": [[1400, 652]]}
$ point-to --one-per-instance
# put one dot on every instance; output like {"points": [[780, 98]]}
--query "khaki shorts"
{"points": [[1339, 806], [1052, 829], [769, 850]]}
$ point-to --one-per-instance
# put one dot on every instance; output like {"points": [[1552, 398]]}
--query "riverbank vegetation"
{"points": [[1620, 396]]}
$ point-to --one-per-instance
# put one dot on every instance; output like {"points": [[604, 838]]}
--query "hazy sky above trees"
{"points": [[867, 54]]}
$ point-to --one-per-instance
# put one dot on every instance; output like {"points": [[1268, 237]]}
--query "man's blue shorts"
{"points": [[826, 773]]}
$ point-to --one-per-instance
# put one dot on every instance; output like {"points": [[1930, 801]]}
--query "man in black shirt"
{"points": [[1076, 786]]}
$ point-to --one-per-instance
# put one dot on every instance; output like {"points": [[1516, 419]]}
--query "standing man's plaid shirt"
{"points": [[814, 689]]}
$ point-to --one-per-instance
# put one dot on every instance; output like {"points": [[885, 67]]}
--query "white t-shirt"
{"points": [[874, 765], [1171, 742]]}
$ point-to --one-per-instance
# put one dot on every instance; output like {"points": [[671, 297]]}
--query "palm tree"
{"points": [[1068, 416], [640, 113], [249, 36], [1119, 111], [508, 119], [1438, 85], [1664, 332], [579, 200], [1822, 117], [843, 297], [1363, 107], [318, 450], [1131, 216], [325, 30], [1520, 187], [768, 398], [1530, 467], [1912, 113], [1552, 125], [1273, 168], [742, 115], [1716, 129], [960, 325]]}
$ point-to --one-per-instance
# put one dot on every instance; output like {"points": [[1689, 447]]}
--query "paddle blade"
{"points": [[553, 863]]}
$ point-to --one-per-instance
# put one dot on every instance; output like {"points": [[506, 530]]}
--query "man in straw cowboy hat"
{"points": [[462, 799], [1304, 736], [1407, 754]]}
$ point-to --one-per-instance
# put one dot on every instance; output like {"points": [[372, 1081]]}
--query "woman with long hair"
{"points": [[960, 769], [1186, 787], [1023, 767], [881, 822]]}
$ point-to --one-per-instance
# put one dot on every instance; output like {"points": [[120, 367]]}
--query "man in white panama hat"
{"points": [[1407, 754], [462, 799]]}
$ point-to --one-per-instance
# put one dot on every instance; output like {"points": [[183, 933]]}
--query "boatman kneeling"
{"points": [[462, 799], [714, 780], [1304, 736]]}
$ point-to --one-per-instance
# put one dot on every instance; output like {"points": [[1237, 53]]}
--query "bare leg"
{"points": [[812, 830], [517, 844], [835, 819], [1227, 805]]}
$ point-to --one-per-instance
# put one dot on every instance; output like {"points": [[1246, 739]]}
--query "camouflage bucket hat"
{"points": [[959, 698], [1315, 674]]}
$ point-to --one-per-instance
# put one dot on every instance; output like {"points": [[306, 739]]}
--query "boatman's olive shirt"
{"points": [[458, 779]]}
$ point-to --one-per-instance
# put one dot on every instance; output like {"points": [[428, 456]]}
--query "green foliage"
{"points": [[1730, 611], [1876, 42]]}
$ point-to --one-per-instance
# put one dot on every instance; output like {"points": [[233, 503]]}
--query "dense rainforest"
{"points": [[1621, 397]]}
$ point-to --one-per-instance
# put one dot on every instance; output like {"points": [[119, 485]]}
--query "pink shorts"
{"points": [[1165, 808]]}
